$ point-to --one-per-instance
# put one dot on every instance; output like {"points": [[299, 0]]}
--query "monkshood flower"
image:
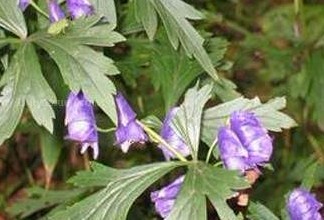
{"points": [[79, 8], [302, 205], [80, 121], [23, 4], [245, 144], [164, 198], [55, 12], [128, 130], [170, 136]]}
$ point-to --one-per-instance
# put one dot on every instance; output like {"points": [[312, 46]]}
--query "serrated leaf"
{"points": [[11, 18], [24, 83], [269, 114], [172, 71], [107, 9], [257, 211], [174, 15], [114, 201], [82, 67], [39, 199], [187, 120], [203, 181], [99, 175]]}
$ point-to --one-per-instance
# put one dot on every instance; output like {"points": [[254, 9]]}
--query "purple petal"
{"points": [[129, 134], [260, 150], [80, 121], [79, 8], [170, 136], [23, 4], [55, 12], [164, 198], [302, 205], [124, 111]]}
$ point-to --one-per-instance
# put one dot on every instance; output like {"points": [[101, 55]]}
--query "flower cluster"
{"points": [[164, 198], [76, 8], [302, 205], [245, 144]]}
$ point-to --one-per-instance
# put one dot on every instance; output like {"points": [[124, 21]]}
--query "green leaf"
{"points": [[24, 83], [86, 69], [99, 175], [187, 121], [309, 176], [174, 15], [257, 211], [107, 9], [203, 181], [11, 18], [269, 114], [114, 201], [51, 148], [172, 71], [40, 199]]}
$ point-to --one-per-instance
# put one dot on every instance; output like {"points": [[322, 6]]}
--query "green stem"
{"points": [[34, 5], [218, 163], [211, 148], [107, 130], [159, 139]]}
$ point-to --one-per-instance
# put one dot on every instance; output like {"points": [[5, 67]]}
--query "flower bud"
{"points": [[302, 205], [128, 130], [79, 8], [164, 198], [80, 121], [170, 136], [55, 12]]}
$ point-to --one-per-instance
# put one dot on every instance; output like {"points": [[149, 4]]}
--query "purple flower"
{"points": [[23, 4], [170, 136], [80, 121], [79, 8], [128, 130], [246, 144], [164, 198], [302, 205], [55, 12]]}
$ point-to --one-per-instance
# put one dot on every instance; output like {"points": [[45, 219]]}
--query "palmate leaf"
{"points": [[11, 18], [174, 15], [107, 9], [269, 114], [24, 83], [39, 199], [187, 120], [172, 71], [82, 67], [203, 181], [114, 201], [257, 211]]}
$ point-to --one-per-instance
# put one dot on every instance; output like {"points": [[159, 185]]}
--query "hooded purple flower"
{"points": [[245, 144], [128, 130], [302, 205], [170, 136], [55, 12], [23, 4], [80, 121], [79, 8], [164, 198]]}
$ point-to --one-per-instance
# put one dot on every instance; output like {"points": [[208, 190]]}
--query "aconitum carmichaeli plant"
{"points": [[164, 198], [128, 130], [55, 12], [170, 136], [81, 124], [79, 8], [302, 205], [245, 143]]}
